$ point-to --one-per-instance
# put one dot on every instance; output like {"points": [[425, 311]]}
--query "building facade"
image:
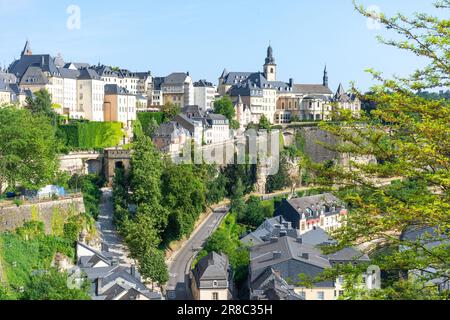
{"points": [[204, 95]]}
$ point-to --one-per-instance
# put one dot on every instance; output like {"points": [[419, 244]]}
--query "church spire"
{"points": [[325, 77], [270, 59], [27, 49]]}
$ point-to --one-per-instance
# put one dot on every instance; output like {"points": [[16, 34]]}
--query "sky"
{"points": [[206, 36]]}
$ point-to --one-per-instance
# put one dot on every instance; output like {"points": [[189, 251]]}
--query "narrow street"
{"points": [[178, 286], [107, 230]]}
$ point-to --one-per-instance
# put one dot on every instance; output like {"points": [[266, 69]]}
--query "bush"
{"points": [[91, 135], [145, 118]]}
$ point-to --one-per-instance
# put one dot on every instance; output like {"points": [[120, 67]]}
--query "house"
{"points": [[119, 105], [90, 96], [176, 88], [271, 286], [205, 128], [290, 258], [170, 137], [323, 210], [109, 281], [204, 95], [429, 238], [211, 279], [273, 227]]}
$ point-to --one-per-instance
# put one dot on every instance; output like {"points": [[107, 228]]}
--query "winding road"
{"points": [[179, 267]]}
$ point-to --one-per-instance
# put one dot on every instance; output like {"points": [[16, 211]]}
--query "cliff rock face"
{"points": [[52, 213]]}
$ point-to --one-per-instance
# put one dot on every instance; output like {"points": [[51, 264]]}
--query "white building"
{"points": [[204, 95], [90, 99]]}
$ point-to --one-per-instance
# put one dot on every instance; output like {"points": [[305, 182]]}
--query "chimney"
{"points": [[305, 256], [43, 61], [291, 82], [276, 255], [105, 247], [300, 240], [133, 271], [99, 286]]}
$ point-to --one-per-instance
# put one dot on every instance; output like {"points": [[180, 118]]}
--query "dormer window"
{"points": [[215, 284]]}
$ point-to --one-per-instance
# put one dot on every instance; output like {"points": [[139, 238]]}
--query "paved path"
{"points": [[177, 288], [107, 230]]}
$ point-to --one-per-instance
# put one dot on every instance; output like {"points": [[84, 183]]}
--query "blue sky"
{"points": [[205, 36]]}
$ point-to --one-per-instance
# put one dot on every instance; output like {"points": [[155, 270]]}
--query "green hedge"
{"points": [[145, 117], [91, 135]]}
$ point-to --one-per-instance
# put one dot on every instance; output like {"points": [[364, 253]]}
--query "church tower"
{"points": [[27, 50], [325, 77], [270, 67]]}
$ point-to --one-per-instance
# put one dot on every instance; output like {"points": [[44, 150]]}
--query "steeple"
{"points": [[270, 67], [26, 50], [325, 77], [270, 59]]}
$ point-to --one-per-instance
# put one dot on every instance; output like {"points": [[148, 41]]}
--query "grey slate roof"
{"points": [[315, 203], [108, 283], [291, 257], [317, 236], [203, 83], [88, 74], [312, 89], [42, 61], [69, 73], [176, 78], [271, 286], [34, 76], [429, 236], [274, 227], [212, 267], [7, 77], [114, 89]]}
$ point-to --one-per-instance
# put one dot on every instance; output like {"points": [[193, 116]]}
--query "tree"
{"points": [[146, 171], [254, 213], [140, 235], [152, 265], [282, 178], [408, 135], [237, 205], [52, 285], [185, 201], [264, 123], [170, 110], [224, 106], [41, 104], [152, 128], [28, 149]]}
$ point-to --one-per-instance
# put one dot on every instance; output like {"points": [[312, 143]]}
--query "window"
{"points": [[320, 295], [215, 296], [215, 284]]}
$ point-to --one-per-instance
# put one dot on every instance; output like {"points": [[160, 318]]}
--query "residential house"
{"points": [[324, 211], [170, 137], [293, 259], [109, 281], [90, 96], [204, 95], [119, 105], [211, 279], [273, 227], [176, 88], [428, 238], [270, 286]]}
